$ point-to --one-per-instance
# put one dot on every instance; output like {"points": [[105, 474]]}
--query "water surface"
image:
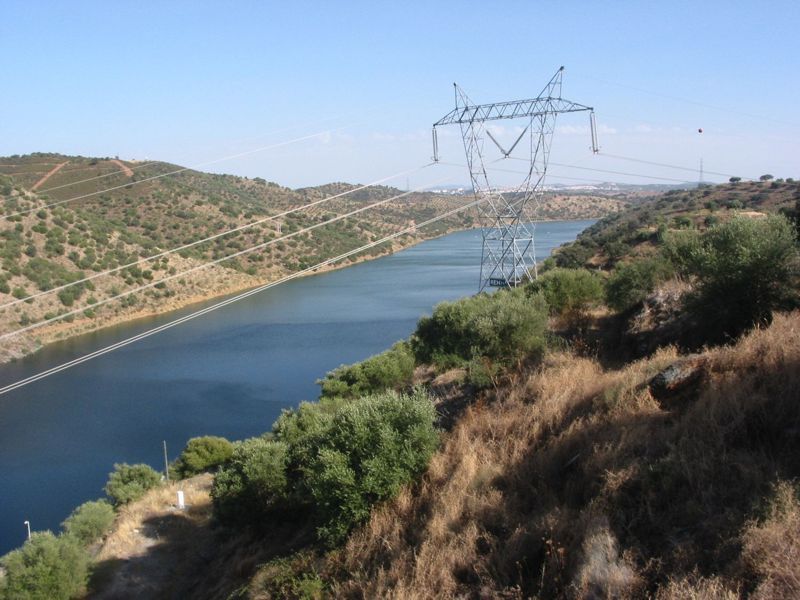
{"points": [[228, 373]]}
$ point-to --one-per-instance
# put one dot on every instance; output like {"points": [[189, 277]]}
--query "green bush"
{"points": [[391, 369], [503, 327], [371, 448], [90, 521], [45, 568], [202, 454], [630, 283], [569, 293], [743, 271], [330, 461], [253, 483], [129, 482]]}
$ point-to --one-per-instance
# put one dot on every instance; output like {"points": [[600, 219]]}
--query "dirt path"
{"points": [[50, 173], [125, 168]]}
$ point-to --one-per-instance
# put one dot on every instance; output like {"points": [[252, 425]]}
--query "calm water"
{"points": [[229, 373]]}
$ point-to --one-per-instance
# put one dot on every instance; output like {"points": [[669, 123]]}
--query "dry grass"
{"points": [[575, 482], [772, 548], [131, 535]]}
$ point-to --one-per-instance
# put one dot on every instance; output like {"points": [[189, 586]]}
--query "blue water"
{"points": [[228, 373]]}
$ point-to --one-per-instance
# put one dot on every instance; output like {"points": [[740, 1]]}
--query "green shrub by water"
{"points": [[129, 482], [503, 327], [330, 461], [202, 454], [47, 567], [392, 369], [90, 521]]}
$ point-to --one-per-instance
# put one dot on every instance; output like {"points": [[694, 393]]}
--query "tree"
{"points": [[743, 271], [130, 482], [202, 454], [766, 177], [735, 179], [45, 568], [90, 521]]}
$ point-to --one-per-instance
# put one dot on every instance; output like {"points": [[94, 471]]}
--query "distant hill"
{"points": [[106, 213]]}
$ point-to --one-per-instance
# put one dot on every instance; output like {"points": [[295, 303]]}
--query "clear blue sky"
{"points": [[193, 81]]}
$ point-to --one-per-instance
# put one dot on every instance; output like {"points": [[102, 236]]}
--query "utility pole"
{"points": [[700, 183], [166, 463], [508, 256]]}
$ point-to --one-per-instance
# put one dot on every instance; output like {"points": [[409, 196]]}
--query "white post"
{"points": [[28, 525], [181, 504]]}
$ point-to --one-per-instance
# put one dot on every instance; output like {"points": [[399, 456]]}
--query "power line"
{"points": [[97, 353], [610, 171], [207, 239], [211, 263], [669, 166], [694, 102], [175, 172]]}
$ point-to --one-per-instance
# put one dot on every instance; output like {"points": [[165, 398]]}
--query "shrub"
{"points": [[630, 283], [252, 483], [744, 270], [90, 521], [330, 460], [372, 448], [503, 327], [46, 567], [391, 369], [202, 454], [129, 482], [569, 293]]}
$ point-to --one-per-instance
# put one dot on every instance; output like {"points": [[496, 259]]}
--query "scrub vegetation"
{"points": [[626, 426]]}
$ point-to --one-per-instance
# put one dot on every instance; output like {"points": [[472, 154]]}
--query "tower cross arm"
{"points": [[510, 110]]}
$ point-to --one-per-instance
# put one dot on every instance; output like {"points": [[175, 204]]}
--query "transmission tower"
{"points": [[508, 256]]}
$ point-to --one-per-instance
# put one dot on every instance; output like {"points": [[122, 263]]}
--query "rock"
{"points": [[678, 379]]}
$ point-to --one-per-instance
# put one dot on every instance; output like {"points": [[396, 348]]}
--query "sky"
{"points": [[195, 82]]}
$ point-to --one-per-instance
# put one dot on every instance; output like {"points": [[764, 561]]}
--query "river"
{"points": [[229, 373]]}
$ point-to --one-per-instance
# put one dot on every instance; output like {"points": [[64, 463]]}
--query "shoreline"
{"points": [[63, 331]]}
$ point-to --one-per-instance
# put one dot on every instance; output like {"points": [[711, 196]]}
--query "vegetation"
{"points": [[202, 454], [90, 521], [392, 369], [569, 293], [47, 567], [503, 328], [752, 264], [127, 483], [630, 283], [331, 460]]}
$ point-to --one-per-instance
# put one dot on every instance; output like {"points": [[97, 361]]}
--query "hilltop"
{"points": [[89, 215]]}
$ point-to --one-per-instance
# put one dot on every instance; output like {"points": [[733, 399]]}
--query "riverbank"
{"points": [[210, 288]]}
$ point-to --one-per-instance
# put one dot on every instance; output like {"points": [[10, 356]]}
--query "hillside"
{"points": [[510, 448], [637, 232], [145, 213]]}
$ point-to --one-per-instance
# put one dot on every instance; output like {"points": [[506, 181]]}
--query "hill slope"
{"points": [[151, 207]]}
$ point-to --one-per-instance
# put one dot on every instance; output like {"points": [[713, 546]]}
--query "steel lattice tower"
{"points": [[508, 255]]}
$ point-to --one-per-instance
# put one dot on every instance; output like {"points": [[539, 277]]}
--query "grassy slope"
{"points": [[43, 249], [568, 480]]}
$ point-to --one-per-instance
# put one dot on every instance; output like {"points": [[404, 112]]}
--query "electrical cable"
{"points": [[145, 334], [207, 239], [211, 263]]}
